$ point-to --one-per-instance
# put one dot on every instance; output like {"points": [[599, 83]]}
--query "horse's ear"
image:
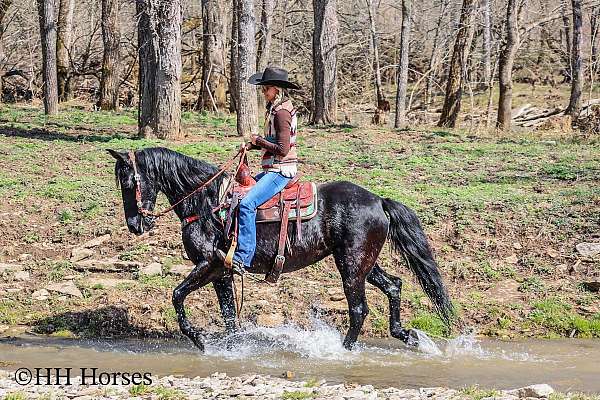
{"points": [[119, 155]]}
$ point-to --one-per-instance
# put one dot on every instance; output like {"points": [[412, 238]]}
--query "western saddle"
{"points": [[296, 202]]}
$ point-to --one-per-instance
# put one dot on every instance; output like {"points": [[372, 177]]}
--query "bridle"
{"points": [[138, 186]]}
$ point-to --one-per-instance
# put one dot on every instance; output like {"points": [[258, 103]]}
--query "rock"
{"points": [[270, 320], [10, 267], [108, 282], [4, 328], [96, 241], [537, 391], [181, 269], [65, 287], [552, 253], [110, 265], [512, 259], [25, 257], [80, 253], [41, 294], [151, 269], [588, 249], [22, 276], [593, 286]]}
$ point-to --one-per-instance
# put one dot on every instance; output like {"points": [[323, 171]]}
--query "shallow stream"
{"points": [[567, 365]]}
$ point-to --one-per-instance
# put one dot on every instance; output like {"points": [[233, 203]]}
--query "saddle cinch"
{"points": [[296, 202]]}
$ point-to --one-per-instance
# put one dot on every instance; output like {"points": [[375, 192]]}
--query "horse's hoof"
{"points": [[410, 337]]}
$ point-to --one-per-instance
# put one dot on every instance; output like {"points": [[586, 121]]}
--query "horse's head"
{"points": [[133, 184]]}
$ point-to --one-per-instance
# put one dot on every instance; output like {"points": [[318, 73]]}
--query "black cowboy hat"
{"points": [[273, 76]]}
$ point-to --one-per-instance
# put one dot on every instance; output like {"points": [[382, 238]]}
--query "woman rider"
{"points": [[279, 158]]}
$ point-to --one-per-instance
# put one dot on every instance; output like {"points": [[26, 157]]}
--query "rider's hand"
{"points": [[248, 146], [253, 139]]}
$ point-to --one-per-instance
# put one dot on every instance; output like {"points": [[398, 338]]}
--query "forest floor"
{"points": [[504, 214]]}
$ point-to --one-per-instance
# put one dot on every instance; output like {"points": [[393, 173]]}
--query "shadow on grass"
{"points": [[106, 322], [47, 135]]}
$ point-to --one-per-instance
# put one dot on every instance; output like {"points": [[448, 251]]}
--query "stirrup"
{"points": [[238, 268]]}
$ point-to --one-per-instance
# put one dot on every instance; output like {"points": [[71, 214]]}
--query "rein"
{"points": [[138, 187]]}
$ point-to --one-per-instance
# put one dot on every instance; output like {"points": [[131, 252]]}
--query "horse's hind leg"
{"points": [[392, 287], [201, 275]]}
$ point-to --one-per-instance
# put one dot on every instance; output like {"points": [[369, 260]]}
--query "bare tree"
{"points": [[263, 55], [594, 19], [265, 34], [234, 69], [432, 65], [324, 49], [576, 68], [4, 5], [159, 42], [247, 108], [507, 60], [212, 94], [63, 43], [48, 36], [111, 35], [380, 97], [567, 35], [487, 42], [458, 66], [401, 121]]}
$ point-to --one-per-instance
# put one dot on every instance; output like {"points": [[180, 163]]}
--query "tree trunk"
{"points": [[594, 16], [458, 66], [432, 59], [159, 41], [374, 43], [111, 36], [48, 36], [263, 55], [234, 72], [212, 94], [325, 41], [567, 35], [507, 59], [4, 5], [247, 108], [576, 61], [148, 61], [63, 44], [487, 43], [401, 121]]}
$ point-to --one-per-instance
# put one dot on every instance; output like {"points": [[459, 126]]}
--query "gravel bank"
{"points": [[221, 386]]}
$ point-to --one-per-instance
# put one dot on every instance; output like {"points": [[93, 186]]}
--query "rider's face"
{"points": [[270, 93]]}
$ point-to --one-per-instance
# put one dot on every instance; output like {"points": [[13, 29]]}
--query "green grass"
{"points": [[139, 390], [164, 393], [296, 395], [475, 393], [559, 318], [475, 194], [15, 396], [428, 323]]}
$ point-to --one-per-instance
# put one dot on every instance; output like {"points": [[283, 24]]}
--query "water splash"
{"points": [[419, 339], [319, 341]]}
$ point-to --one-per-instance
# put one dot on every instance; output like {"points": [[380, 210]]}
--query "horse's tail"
{"points": [[408, 238]]}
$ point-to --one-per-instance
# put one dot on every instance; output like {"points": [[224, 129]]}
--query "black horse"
{"points": [[352, 224]]}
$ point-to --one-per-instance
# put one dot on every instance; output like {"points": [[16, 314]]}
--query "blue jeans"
{"points": [[268, 184]]}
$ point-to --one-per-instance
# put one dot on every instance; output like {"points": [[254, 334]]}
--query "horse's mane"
{"points": [[176, 175]]}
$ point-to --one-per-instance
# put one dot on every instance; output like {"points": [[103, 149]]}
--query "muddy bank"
{"points": [[221, 386]]}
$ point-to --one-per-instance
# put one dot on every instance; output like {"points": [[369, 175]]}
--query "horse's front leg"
{"points": [[201, 275], [224, 289]]}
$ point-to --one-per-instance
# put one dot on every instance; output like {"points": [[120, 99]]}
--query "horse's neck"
{"points": [[187, 207]]}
